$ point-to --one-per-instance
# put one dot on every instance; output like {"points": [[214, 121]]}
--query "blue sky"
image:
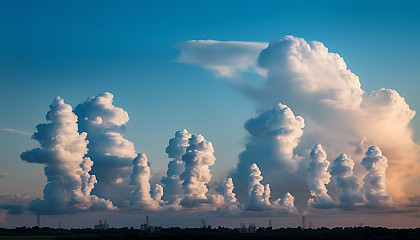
{"points": [[78, 49]]}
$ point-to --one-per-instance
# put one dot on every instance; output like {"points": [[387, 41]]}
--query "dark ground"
{"points": [[367, 233]]}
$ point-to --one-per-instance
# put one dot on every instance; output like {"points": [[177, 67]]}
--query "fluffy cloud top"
{"points": [[259, 195], [231, 204], [176, 149], [274, 135], [63, 152], [198, 158], [374, 183], [309, 68], [346, 182], [141, 196], [318, 177], [109, 150]]}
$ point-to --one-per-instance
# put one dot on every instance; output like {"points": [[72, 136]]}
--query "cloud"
{"points": [[13, 205], [346, 182], [4, 174], [386, 123], [285, 204], [318, 177], [16, 198], [12, 209], [308, 67], [111, 153], [414, 201], [231, 204], [63, 152], [274, 135], [259, 195], [141, 196], [198, 158], [338, 113], [224, 58], [84, 170], [374, 183], [176, 149], [15, 131]]}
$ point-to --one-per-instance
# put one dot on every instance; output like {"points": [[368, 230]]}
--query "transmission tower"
{"points": [[38, 221]]}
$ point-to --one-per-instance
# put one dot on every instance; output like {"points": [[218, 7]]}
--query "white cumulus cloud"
{"points": [[141, 196], [274, 135], [318, 85], [318, 177], [108, 149], [198, 158], [259, 195], [374, 183], [63, 152], [342, 169], [176, 149]]}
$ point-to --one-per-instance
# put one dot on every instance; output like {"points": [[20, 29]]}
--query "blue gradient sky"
{"points": [[77, 49]]}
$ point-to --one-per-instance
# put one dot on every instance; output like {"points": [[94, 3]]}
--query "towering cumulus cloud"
{"points": [[375, 180], [231, 204], [273, 137], [141, 196], [338, 114], [346, 182], [198, 158], [109, 150], [259, 195], [62, 151], [318, 177], [176, 149]]}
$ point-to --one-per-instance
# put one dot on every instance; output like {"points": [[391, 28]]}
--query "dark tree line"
{"points": [[368, 233]]}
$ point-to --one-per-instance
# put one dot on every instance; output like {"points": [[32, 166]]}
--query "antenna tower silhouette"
{"points": [[38, 221]]}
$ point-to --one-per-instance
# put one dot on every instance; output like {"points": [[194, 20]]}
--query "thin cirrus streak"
{"points": [[11, 130]]}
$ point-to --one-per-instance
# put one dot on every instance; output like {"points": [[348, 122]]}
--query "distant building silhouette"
{"points": [[203, 223], [102, 225], [303, 224], [251, 228], [242, 228]]}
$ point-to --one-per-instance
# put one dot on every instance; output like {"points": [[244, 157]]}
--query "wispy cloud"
{"points": [[4, 173], [225, 58], [15, 131]]}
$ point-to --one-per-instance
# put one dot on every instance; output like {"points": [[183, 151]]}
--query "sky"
{"points": [[286, 85]]}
